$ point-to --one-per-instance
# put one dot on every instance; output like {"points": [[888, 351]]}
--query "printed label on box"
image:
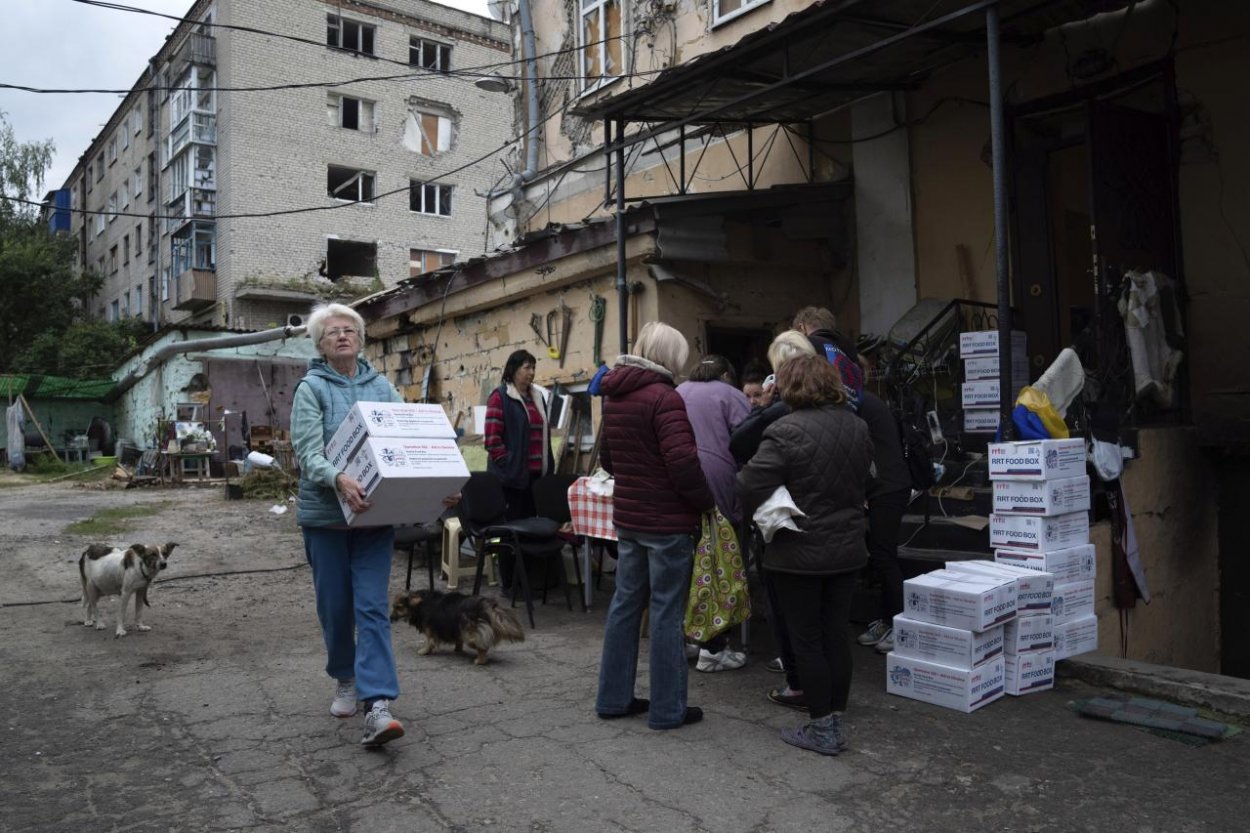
{"points": [[1026, 673], [1025, 532], [1066, 565], [1041, 497], [405, 479], [959, 600], [956, 647], [386, 419], [1037, 459], [1029, 633], [941, 685], [1073, 600], [1078, 636], [981, 420], [987, 367], [985, 343]]}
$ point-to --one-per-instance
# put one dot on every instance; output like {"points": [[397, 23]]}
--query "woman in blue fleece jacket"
{"points": [[351, 566]]}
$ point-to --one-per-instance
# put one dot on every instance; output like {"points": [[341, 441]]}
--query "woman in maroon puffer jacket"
{"points": [[659, 498]]}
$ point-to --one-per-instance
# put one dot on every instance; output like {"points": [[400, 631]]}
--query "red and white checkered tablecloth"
{"points": [[592, 514]]}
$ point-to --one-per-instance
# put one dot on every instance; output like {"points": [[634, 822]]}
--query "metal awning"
{"points": [[828, 55]]}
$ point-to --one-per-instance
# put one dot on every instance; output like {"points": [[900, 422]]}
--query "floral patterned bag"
{"points": [[718, 584]]}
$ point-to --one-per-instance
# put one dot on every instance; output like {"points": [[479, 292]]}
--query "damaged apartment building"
{"points": [[718, 164], [277, 153]]}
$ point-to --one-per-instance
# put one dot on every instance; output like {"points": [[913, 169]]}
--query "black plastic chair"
{"points": [[408, 538], [551, 500], [483, 519]]}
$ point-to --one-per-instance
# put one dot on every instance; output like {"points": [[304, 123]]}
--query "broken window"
{"points": [[349, 184], [728, 9], [350, 258], [421, 261], [427, 132], [349, 34], [599, 39], [429, 54], [429, 198], [350, 113], [193, 247]]}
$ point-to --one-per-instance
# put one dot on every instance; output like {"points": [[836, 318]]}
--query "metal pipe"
{"points": [[998, 149], [622, 288], [607, 163]]}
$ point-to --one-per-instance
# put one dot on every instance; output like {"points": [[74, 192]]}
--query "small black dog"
{"points": [[457, 619]]}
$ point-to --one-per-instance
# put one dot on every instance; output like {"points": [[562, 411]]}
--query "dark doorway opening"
{"points": [[741, 346]]}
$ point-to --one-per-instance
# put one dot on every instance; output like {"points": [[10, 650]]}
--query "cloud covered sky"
{"points": [[63, 44]]}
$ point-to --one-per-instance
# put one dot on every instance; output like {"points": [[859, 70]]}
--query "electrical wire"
{"points": [[472, 72], [309, 209]]}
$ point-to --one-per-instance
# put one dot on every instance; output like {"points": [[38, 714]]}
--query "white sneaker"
{"points": [[726, 660], [887, 642], [875, 633], [380, 727], [344, 704]]}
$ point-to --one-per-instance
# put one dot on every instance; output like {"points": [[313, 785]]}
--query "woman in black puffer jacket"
{"points": [[821, 453]]}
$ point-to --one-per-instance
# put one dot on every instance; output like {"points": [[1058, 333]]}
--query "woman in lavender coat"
{"points": [[715, 406]]}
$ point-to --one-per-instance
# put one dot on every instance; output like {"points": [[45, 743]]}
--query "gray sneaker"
{"points": [[344, 704], [380, 727], [875, 633], [887, 642]]}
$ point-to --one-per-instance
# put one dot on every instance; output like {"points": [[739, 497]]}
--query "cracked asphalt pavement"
{"points": [[217, 719]]}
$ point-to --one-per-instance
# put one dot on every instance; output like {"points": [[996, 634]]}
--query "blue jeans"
{"points": [[351, 574], [655, 568]]}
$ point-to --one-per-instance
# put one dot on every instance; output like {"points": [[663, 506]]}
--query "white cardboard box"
{"points": [[956, 647], [1037, 459], [1027, 673], [1067, 565], [985, 393], [1025, 532], [386, 419], [959, 600], [1078, 636], [1041, 497], [985, 343], [980, 420], [1073, 600], [1029, 633], [986, 367], [1033, 590], [405, 478], [954, 688]]}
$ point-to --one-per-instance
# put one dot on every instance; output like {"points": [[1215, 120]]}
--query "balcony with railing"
{"points": [[195, 289], [197, 49]]}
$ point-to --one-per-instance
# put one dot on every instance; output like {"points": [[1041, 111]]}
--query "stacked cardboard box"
{"points": [[981, 388], [948, 641], [405, 458], [1041, 523]]}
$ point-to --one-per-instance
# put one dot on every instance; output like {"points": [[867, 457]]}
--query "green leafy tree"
{"points": [[41, 293]]}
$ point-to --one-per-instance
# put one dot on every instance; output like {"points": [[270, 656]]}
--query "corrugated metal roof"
{"points": [[830, 54], [53, 387]]}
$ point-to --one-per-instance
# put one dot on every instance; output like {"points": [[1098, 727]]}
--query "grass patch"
{"points": [[113, 521]]}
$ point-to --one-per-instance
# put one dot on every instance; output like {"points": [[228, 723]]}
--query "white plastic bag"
{"points": [[778, 512]]}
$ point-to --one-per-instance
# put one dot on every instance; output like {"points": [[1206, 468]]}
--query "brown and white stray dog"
{"points": [[109, 571]]}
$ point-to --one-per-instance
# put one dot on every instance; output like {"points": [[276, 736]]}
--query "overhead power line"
{"points": [[470, 72]]}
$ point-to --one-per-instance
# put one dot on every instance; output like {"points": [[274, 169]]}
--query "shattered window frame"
{"points": [[600, 56], [348, 184]]}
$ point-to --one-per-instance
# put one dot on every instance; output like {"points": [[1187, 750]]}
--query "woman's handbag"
{"points": [[718, 584]]}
